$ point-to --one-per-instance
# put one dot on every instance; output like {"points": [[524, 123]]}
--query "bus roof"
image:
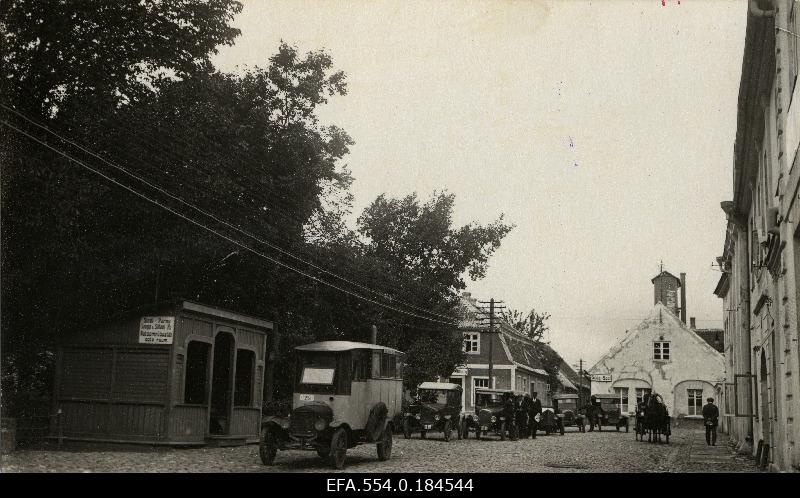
{"points": [[337, 346]]}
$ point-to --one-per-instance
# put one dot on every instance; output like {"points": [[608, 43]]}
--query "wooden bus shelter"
{"points": [[176, 374]]}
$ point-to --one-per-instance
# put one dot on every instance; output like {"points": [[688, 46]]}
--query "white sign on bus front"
{"points": [[156, 329]]}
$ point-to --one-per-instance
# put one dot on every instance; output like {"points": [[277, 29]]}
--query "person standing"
{"points": [[536, 414], [593, 411], [710, 420]]}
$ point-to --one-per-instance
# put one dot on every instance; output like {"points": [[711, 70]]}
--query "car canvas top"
{"points": [[565, 396], [336, 346], [498, 391], [439, 385]]}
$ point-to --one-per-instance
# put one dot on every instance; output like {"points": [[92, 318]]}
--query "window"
{"points": [[793, 51], [661, 350], [622, 395], [196, 378], [478, 383], [245, 366], [388, 365], [695, 401], [640, 392], [472, 342]]}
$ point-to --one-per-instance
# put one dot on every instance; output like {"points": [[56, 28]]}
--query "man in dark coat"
{"points": [[593, 411], [711, 419], [535, 414]]}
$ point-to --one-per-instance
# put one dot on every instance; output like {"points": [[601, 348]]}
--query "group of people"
{"points": [[524, 413]]}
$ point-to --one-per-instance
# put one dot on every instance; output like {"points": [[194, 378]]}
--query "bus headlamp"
{"points": [[494, 419], [320, 425], [436, 417], [417, 416]]}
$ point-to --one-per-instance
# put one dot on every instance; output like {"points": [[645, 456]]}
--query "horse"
{"points": [[656, 419]]}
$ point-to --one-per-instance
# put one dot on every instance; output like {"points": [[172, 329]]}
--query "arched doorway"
{"points": [[222, 384], [764, 393]]}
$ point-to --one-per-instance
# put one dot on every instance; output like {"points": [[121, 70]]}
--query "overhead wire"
{"points": [[229, 239]]}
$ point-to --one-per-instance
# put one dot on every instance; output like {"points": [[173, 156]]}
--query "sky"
{"points": [[603, 130]]}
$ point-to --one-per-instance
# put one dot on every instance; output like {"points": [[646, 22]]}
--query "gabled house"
{"points": [[518, 362], [663, 355]]}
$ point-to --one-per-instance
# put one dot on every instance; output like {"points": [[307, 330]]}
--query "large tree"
{"points": [[425, 261]]}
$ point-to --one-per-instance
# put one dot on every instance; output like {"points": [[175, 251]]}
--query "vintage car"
{"points": [[490, 415], [550, 422], [437, 408], [566, 408], [346, 393], [612, 414]]}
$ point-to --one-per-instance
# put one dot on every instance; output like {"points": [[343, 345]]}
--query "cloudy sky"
{"points": [[602, 129]]}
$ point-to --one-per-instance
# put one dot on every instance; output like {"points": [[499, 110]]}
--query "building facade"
{"points": [[518, 363], [761, 255], [665, 356]]}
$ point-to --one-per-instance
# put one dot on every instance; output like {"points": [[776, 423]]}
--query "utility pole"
{"points": [[491, 340], [492, 307]]}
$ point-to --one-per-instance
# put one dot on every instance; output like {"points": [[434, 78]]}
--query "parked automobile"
{"points": [[612, 414], [549, 422], [437, 408], [566, 408], [490, 415], [346, 394]]}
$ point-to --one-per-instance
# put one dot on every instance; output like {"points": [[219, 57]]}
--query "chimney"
{"points": [[683, 298], [374, 334], [691, 323]]}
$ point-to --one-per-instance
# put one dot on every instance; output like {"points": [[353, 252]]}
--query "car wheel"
{"points": [[267, 446], [447, 430], [503, 430], [562, 430], [385, 446], [407, 429], [338, 448]]}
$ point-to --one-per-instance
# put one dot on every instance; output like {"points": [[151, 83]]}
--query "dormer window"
{"points": [[472, 342]]}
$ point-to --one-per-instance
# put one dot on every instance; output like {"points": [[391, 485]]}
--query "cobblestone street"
{"points": [[573, 452]]}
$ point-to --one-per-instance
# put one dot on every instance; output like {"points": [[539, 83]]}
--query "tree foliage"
{"points": [[242, 154], [533, 323]]}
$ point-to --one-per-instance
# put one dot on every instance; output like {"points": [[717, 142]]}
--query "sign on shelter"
{"points": [[156, 329]]}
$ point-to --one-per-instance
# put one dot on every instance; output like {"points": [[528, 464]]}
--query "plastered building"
{"points": [[662, 355]]}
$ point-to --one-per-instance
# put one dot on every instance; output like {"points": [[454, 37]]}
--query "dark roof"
{"points": [[531, 354], [665, 273], [714, 337], [336, 346]]}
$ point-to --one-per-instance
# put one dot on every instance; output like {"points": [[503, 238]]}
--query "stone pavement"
{"points": [[700, 452], [607, 451]]}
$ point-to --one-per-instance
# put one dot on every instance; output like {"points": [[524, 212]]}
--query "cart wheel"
{"points": [[407, 429], [385, 446], [338, 448], [447, 430], [267, 446]]}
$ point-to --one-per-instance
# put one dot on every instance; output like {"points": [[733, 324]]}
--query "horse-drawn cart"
{"points": [[653, 420]]}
